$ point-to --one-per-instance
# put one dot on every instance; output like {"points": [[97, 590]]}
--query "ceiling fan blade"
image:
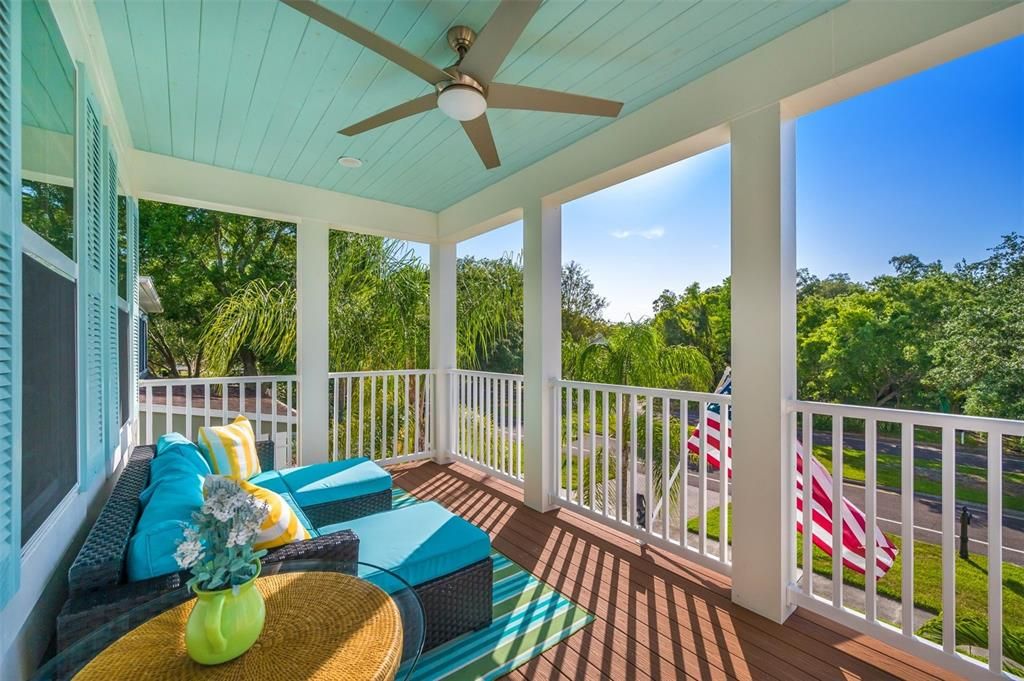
{"points": [[504, 96], [371, 41], [479, 132], [395, 113], [497, 38]]}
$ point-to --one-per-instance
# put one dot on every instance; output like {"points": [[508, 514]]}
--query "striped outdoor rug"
{"points": [[529, 618]]}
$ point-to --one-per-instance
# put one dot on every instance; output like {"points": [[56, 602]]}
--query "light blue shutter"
{"points": [[132, 218], [10, 299], [110, 342], [92, 275]]}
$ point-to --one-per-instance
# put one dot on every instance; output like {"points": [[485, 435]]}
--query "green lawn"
{"points": [[971, 482]]}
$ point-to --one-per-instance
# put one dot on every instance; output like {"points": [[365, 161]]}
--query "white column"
{"points": [[442, 343], [763, 359], [542, 345], [312, 360]]}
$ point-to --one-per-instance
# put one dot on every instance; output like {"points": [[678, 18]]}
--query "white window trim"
{"points": [[42, 533], [47, 254]]}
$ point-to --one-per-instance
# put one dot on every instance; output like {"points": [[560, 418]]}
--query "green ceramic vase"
{"points": [[224, 624]]}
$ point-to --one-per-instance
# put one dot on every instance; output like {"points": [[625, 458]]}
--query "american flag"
{"points": [[854, 522]]}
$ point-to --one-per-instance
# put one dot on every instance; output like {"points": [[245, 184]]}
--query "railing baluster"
{"points": [[580, 425], [635, 454], [291, 422], [259, 409], [224, 403], [607, 454], [907, 524], [405, 401], [724, 443], [948, 540], [336, 399], [568, 443], [807, 501], [837, 511], [519, 429], [666, 436], [394, 418], [995, 551], [620, 437], [430, 379], [871, 516], [206, 404], [649, 463], [416, 428], [273, 416], [149, 415], [593, 446], [188, 410], [361, 417], [702, 479], [684, 473]]}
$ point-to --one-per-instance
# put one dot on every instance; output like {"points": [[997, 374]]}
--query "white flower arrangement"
{"points": [[218, 549]]}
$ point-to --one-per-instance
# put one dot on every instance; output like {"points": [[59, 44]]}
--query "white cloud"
{"points": [[655, 232]]}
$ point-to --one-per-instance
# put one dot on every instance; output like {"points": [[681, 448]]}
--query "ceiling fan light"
{"points": [[462, 102]]}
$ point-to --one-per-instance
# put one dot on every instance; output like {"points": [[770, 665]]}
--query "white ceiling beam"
{"points": [[856, 47], [174, 180]]}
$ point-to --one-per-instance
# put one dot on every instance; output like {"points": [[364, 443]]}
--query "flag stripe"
{"points": [[854, 529]]}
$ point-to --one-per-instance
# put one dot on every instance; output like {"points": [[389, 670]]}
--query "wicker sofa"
{"points": [[99, 590]]}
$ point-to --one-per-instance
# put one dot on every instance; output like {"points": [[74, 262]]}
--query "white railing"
{"points": [[614, 463], [384, 415], [487, 421], [932, 437], [184, 405]]}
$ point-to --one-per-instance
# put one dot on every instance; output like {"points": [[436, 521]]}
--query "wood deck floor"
{"points": [[657, 615]]}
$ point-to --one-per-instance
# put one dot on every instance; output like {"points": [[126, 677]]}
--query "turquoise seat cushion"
{"points": [[419, 542], [321, 483], [176, 444], [273, 481]]}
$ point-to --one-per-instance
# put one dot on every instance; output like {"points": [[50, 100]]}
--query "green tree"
{"points": [[198, 258], [979, 350]]}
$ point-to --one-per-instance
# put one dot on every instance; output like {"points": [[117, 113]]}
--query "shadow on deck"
{"points": [[657, 616]]}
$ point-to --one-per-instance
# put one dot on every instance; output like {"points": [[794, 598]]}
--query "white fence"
{"points": [[384, 415], [186, 404], [615, 463], [487, 421], [933, 437]]}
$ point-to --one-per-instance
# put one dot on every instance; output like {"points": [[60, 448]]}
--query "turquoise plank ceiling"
{"points": [[255, 86], [48, 76]]}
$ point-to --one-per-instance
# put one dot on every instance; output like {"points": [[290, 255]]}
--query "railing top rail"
{"points": [[380, 372], [716, 398], [908, 417], [213, 380], [488, 374]]}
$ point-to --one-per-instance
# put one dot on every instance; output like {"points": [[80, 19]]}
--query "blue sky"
{"points": [[931, 165]]}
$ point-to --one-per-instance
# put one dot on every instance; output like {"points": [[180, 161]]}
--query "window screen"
{"points": [[49, 385]]}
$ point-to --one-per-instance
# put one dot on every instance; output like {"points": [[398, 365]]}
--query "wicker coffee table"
{"points": [[322, 623]]}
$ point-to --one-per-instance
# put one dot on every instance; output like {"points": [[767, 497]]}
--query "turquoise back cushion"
{"points": [[174, 492], [176, 444]]}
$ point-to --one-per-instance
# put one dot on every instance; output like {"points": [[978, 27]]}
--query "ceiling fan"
{"points": [[465, 90]]}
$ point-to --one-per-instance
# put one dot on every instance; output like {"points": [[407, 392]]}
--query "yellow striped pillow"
{"points": [[231, 449], [282, 526]]}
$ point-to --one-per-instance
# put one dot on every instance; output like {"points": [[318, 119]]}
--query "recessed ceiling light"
{"points": [[350, 162]]}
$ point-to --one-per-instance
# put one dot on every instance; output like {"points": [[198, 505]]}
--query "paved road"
{"points": [[965, 455]]}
